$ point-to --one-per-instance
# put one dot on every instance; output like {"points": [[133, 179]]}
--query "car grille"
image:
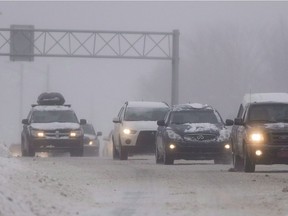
{"points": [[57, 133], [200, 137], [279, 138]]}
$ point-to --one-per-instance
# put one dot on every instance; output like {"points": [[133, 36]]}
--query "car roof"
{"points": [[50, 108], [146, 104], [265, 97], [191, 106]]}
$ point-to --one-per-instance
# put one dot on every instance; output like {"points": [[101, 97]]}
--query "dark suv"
{"points": [[52, 127], [192, 132], [260, 131]]}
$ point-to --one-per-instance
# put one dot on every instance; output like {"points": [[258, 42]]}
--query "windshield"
{"points": [[88, 129], [54, 116], [145, 114], [194, 116], [268, 112]]}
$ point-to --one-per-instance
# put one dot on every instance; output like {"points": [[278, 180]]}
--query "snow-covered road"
{"points": [[100, 186]]}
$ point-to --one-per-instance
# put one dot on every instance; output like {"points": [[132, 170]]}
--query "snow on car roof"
{"points": [[189, 106], [265, 97], [146, 104], [50, 108]]}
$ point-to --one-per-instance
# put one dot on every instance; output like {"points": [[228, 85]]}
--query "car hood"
{"points": [[219, 130], [55, 126], [270, 127], [141, 125], [196, 128]]}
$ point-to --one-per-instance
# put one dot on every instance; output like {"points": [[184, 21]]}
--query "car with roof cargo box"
{"points": [[52, 126], [192, 132], [260, 131], [135, 128]]}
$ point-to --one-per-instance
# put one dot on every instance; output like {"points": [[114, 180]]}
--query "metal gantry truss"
{"points": [[91, 44], [23, 43]]}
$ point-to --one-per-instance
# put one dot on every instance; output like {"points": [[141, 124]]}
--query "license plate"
{"points": [[282, 154]]}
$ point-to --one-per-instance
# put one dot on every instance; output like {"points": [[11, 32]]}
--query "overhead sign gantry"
{"points": [[24, 42]]}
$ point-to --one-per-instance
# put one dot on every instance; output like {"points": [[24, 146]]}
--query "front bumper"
{"points": [[271, 154], [43, 145], [198, 150], [141, 142]]}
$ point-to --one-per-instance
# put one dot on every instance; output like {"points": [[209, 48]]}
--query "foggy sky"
{"points": [[227, 49]]}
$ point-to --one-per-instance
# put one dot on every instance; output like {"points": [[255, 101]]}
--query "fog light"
{"points": [[258, 153], [128, 141], [227, 146], [172, 146]]}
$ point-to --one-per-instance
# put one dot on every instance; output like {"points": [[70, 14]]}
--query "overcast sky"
{"points": [[227, 49]]}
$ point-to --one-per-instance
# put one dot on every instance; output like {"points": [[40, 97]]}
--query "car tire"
{"points": [[249, 163], [115, 153], [238, 163], [23, 150], [123, 153], [31, 151], [158, 157], [76, 153], [168, 159]]}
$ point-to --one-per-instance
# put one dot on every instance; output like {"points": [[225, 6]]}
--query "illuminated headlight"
{"points": [[90, 142], [129, 131], [227, 146], [75, 133], [258, 153], [172, 146], [37, 133], [256, 137]]}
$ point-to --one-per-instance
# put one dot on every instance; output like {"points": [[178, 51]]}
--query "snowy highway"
{"points": [[91, 186]]}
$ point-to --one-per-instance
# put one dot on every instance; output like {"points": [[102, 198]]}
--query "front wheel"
{"points": [[238, 163], [249, 163], [158, 157], [168, 159]]}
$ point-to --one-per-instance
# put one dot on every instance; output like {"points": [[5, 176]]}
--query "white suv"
{"points": [[135, 127]]}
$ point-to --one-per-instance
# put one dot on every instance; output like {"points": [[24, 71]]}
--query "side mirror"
{"points": [[161, 123], [238, 121], [25, 121], [99, 133], [83, 121], [116, 120], [229, 122]]}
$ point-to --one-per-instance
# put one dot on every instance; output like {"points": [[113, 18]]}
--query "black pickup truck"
{"points": [[260, 131]]}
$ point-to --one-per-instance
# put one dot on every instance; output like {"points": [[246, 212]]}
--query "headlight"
{"points": [[75, 133], [37, 133], [227, 146], [129, 131], [256, 137], [90, 142]]}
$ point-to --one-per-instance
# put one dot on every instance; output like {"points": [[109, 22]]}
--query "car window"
{"points": [[145, 113], [53, 116], [88, 129], [268, 112], [193, 116]]}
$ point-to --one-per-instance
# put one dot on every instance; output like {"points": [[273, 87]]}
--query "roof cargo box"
{"points": [[51, 98]]}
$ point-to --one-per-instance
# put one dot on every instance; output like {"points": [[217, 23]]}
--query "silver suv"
{"points": [[135, 128]]}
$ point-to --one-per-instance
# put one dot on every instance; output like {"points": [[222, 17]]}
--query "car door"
{"points": [[234, 130], [241, 133]]}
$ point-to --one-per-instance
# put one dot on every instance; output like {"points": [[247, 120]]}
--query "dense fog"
{"points": [[227, 49]]}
